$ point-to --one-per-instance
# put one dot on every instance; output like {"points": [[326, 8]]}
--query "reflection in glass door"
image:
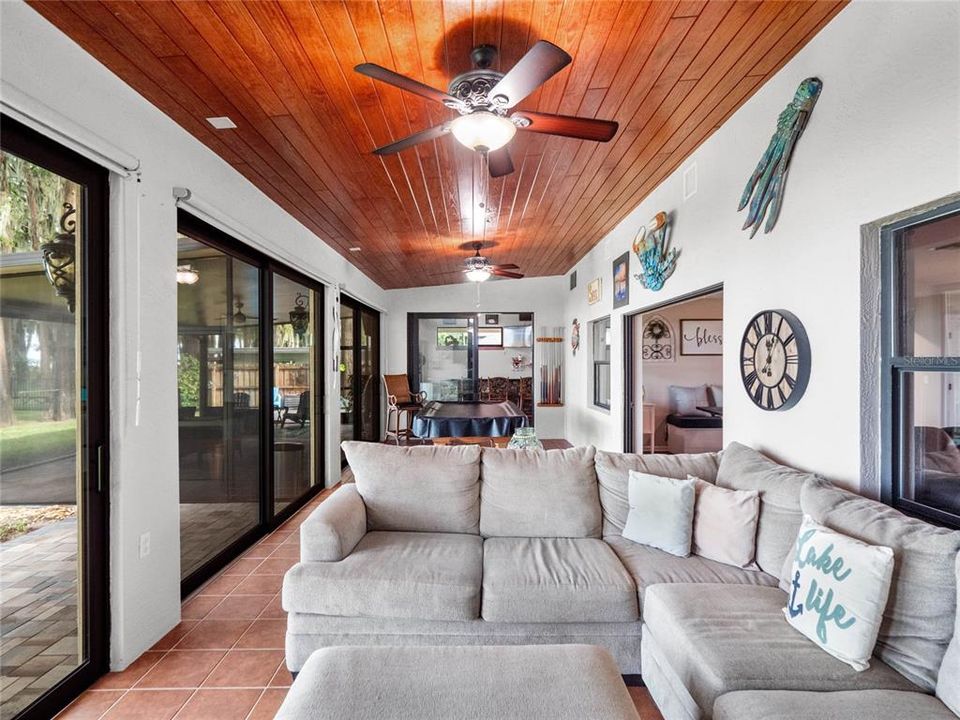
{"points": [[249, 355], [295, 396], [52, 431], [359, 371], [218, 391]]}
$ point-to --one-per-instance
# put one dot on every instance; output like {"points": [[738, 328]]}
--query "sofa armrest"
{"points": [[333, 530]]}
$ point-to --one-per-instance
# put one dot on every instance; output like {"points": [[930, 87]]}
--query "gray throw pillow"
{"points": [[684, 400]]}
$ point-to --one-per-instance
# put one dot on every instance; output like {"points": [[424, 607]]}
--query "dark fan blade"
{"points": [[507, 266], [542, 62], [499, 163], [575, 127], [415, 139], [505, 273], [380, 73]]}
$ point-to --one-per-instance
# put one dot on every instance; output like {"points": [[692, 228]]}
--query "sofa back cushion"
{"points": [[948, 679], [919, 618], [743, 468], [539, 493], [613, 474], [428, 488]]}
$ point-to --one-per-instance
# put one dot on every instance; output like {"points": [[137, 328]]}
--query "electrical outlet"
{"points": [[144, 545]]}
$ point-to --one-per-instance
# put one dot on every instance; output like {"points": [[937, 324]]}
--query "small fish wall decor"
{"points": [[657, 259], [769, 180]]}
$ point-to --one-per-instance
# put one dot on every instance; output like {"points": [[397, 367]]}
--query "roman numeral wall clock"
{"points": [[775, 360]]}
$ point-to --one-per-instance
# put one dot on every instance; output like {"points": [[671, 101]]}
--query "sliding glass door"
{"points": [[248, 395], [218, 392], [359, 371], [53, 393], [296, 368]]}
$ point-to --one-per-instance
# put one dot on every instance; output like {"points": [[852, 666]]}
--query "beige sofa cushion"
{"points": [[919, 618], [539, 493], [743, 468], [553, 580], [848, 705], [331, 531], [649, 566], [719, 638], [430, 488], [948, 680], [725, 524], [613, 475], [426, 576]]}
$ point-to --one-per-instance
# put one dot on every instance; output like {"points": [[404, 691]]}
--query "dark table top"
{"points": [[437, 409], [711, 409]]}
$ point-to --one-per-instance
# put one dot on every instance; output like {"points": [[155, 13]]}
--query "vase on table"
{"points": [[525, 438]]}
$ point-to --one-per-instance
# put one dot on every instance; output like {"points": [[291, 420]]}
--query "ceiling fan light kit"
{"points": [[483, 131], [483, 97]]}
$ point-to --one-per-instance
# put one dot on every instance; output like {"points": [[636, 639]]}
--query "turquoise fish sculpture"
{"points": [[769, 180], [652, 248]]}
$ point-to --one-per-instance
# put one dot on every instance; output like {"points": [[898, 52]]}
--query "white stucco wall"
{"points": [[885, 136], [41, 61]]}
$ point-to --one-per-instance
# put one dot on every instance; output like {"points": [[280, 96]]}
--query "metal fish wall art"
{"points": [[769, 180]]}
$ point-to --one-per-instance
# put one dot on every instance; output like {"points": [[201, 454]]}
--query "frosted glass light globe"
{"points": [[483, 130], [477, 274]]}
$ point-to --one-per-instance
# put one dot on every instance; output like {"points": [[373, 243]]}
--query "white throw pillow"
{"points": [[725, 524], [948, 679], [838, 590], [661, 512]]}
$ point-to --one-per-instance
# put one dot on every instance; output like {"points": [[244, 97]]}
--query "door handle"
{"points": [[100, 468]]}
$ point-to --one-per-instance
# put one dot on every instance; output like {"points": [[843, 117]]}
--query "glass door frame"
{"points": [[93, 538], [358, 309], [196, 228], [413, 344]]}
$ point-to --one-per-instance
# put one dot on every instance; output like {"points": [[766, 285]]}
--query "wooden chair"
{"points": [[525, 394], [494, 389], [301, 414], [400, 400]]}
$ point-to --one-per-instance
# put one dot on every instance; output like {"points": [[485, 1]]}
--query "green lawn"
{"points": [[25, 443]]}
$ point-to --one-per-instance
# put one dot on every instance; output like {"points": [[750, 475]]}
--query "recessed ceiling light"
{"points": [[355, 248], [222, 123]]}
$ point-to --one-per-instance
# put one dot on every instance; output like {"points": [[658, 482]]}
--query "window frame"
{"points": [[893, 368], [599, 364]]}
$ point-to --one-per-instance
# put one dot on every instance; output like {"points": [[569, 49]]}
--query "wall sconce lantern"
{"points": [[60, 255], [300, 316]]}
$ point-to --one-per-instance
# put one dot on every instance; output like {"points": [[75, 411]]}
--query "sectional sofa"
{"points": [[463, 546]]}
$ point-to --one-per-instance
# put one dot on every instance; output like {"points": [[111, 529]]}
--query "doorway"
{"points": [[53, 423], [470, 356], [359, 372], [674, 375]]}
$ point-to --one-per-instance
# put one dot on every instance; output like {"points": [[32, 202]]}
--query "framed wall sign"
{"points": [[701, 337], [491, 319], [621, 280], [593, 291]]}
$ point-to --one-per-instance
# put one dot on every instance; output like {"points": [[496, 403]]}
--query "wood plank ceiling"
{"points": [[669, 72]]}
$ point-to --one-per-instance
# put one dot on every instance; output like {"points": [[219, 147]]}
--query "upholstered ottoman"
{"points": [[551, 682]]}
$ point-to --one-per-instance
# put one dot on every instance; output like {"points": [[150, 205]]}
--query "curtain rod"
{"points": [[44, 119]]}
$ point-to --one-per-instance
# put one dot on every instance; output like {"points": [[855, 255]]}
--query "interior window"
{"points": [[600, 348]]}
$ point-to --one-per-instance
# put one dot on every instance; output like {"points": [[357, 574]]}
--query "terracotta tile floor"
{"points": [[224, 661]]}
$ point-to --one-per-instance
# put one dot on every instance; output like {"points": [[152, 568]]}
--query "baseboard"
{"points": [[633, 680]]}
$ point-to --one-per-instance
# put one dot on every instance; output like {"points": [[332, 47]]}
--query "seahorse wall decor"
{"points": [[769, 180], [652, 247]]}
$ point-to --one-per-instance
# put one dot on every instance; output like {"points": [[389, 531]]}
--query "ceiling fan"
{"points": [[479, 268], [483, 98]]}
